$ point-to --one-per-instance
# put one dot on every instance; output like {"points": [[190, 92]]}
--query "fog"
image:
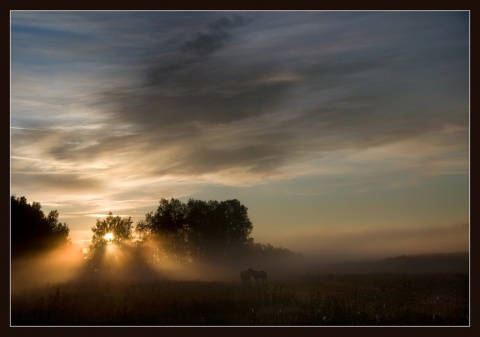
{"points": [[129, 264], [58, 265], [364, 244]]}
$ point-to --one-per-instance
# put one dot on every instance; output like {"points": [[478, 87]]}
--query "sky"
{"points": [[343, 133]]}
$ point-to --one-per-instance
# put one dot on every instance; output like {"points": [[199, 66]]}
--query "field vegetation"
{"points": [[321, 300]]}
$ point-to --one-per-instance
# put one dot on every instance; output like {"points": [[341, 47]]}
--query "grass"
{"points": [[331, 299]]}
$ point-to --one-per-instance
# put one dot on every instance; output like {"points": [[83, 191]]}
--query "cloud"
{"points": [[241, 97], [112, 111], [215, 38], [70, 183], [205, 84]]}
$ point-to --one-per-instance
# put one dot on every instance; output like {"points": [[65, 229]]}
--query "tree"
{"points": [[200, 226], [111, 230], [59, 231], [218, 228], [31, 230], [118, 229], [198, 229], [236, 221], [168, 222]]}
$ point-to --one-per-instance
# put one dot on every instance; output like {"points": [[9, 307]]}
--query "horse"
{"points": [[258, 275], [245, 276], [263, 276]]}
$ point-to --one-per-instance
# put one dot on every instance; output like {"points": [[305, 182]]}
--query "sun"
{"points": [[108, 236]]}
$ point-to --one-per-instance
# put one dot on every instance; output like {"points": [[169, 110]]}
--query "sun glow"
{"points": [[108, 236]]}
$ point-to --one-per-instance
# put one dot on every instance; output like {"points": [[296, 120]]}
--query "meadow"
{"points": [[385, 299]]}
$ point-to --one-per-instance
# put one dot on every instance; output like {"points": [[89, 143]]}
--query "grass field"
{"points": [[324, 299]]}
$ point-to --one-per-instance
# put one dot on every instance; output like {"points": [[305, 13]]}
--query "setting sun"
{"points": [[108, 237]]}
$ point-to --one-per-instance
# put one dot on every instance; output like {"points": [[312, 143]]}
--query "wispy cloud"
{"points": [[122, 105], [188, 101]]}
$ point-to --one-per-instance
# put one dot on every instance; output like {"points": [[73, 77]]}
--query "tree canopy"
{"points": [[199, 229], [118, 229], [31, 230]]}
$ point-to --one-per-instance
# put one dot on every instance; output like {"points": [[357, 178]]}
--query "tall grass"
{"points": [[372, 299]]}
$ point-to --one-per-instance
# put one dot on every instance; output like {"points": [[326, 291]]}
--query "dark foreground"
{"points": [[338, 300]]}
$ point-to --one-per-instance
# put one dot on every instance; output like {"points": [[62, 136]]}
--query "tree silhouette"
{"points": [[168, 222], [113, 230], [218, 228], [32, 231], [198, 229], [59, 231], [119, 228]]}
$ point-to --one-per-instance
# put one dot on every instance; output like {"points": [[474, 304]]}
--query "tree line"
{"points": [[193, 231], [32, 231], [185, 232]]}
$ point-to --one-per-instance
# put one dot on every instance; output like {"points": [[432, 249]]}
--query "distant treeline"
{"points": [[205, 230], [425, 263], [182, 232], [214, 231]]}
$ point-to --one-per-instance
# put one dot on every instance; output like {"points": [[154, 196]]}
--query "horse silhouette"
{"points": [[258, 275], [245, 276]]}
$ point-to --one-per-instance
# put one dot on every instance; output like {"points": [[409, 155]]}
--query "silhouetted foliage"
{"points": [[120, 228], [120, 233], [31, 230], [209, 230], [217, 229], [169, 223], [198, 229]]}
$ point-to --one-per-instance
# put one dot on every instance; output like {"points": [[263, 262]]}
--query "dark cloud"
{"points": [[191, 85], [216, 37], [226, 91], [251, 158], [195, 101]]}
